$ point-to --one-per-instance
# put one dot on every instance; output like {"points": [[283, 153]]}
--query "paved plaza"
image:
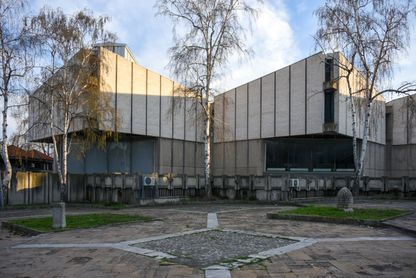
{"points": [[177, 244]]}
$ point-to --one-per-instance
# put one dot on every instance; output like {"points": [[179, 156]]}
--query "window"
{"points": [[329, 70], [329, 106], [309, 154]]}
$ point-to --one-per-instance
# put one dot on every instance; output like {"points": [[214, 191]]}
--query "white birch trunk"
{"points": [[64, 171], [356, 185], [207, 148], [5, 153], [368, 110]]}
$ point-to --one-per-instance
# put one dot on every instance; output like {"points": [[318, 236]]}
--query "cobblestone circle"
{"points": [[212, 247]]}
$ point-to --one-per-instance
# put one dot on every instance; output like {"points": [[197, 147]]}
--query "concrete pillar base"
{"points": [[58, 215]]}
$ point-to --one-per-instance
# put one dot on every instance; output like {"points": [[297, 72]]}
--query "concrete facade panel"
{"points": [[142, 156], [139, 100], [229, 162], [254, 114], [229, 116], [241, 159], [217, 160], [267, 107], [190, 119], [108, 83], [153, 103], [179, 118], [118, 158], [124, 84], [297, 103], [315, 97], [256, 157], [165, 155], [200, 129], [241, 121], [282, 102], [219, 119], [200, 159], [178, 156], [189, 166], [166, 108], [95, 161], [403, 162], [401, 133]]}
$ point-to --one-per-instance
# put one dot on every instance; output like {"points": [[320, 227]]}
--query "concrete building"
{"points": [[400, 138], [294, 120], [158, 128]]}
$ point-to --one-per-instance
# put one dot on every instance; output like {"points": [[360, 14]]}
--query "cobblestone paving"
{"points": [[213, 247], [323, 259]]}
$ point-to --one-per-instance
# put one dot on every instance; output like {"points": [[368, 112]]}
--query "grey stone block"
{"points": [[58, 215], [344, 199]]}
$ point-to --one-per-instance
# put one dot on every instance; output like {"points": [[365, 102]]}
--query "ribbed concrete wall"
{"points": [[143, 101], [131, 156], [245, 157], [375, 160], [180, 157], [401, 147], [283, 103]]}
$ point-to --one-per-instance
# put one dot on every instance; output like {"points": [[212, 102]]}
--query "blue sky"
{"points": [[281, 35]]}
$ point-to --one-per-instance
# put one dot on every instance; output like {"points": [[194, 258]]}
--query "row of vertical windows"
{"points": [[309, 154]]}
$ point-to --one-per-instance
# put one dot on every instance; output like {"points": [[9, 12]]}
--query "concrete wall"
{"points": [[180, 157], [143, 101], [135, 155], [43, 188], [286, 102], [403, 124], [148, 103], [245, 157], [401, 143], [374, 165]]}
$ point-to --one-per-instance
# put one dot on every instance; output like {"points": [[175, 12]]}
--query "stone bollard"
{"points": [[345, 200], [58, 215]]}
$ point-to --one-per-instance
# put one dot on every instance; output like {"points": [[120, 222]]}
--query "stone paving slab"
{"points": [[407, 222], [257, 221], [170, 222], [353, 259], [341, 257]]}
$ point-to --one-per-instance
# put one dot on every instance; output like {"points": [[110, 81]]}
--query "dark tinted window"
{"points": [[309, 154], [329, 106]]}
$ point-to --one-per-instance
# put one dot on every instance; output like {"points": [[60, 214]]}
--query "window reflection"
{"points": [[309, 154]]}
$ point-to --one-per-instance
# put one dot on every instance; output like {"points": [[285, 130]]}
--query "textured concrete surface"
{"points": [[339, 251]]}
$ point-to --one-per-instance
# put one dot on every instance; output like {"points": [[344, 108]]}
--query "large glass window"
{"points": [[329, 70], [329, 106], [309, 154]]}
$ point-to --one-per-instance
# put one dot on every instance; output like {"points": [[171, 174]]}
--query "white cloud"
{"points": [[273, 43]]}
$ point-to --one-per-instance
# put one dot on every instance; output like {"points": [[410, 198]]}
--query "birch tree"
{"points": [[69, 103], [210, 32], [371, 34], [14, 64]]}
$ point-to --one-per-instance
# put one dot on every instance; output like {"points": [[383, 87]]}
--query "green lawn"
{"points": [[82, 221], [359, 214]]}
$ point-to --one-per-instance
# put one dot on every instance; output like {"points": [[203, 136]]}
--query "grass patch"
{"points": [[357, 214], [82, 221]]}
